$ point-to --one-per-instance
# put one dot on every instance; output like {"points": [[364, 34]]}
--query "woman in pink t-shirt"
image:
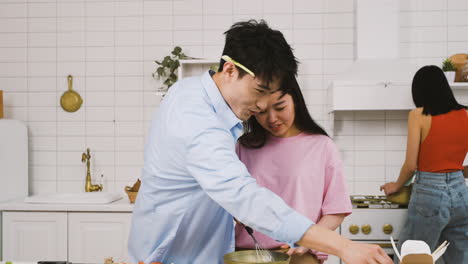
{"points": [[288, 153]]}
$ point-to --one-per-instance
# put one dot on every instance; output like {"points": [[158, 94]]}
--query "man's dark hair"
{"points": [[255, 135], [261, 49], [432, 92]]}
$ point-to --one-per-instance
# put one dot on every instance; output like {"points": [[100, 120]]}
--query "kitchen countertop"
{"points": [[121, 206]]}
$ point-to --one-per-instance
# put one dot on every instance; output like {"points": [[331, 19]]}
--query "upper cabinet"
{"points": [[372, 95], [194, 67]]}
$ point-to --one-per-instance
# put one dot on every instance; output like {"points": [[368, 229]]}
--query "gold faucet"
{"points": [[86, 157]]}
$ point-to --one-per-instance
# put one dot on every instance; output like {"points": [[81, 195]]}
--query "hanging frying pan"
{"points": [[70, 101]]}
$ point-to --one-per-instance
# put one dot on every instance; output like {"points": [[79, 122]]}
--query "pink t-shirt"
{"points": [[306, 171]]}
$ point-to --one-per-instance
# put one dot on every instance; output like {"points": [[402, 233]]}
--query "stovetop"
{"points": [[373, 202]]}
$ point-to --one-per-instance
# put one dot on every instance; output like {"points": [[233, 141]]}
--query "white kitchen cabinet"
{"points": [[96, 236], [194, 67], [371, 96], [34, 236], [77, 237]]}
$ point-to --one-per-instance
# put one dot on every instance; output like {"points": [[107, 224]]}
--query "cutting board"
{"points": [[13, 159]]}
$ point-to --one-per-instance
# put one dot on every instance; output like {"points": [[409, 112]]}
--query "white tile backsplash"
{"points": [[110, 48], [100, 144], [100, 129], [369, 173], [369, 143], [13, 10], [369, 158], [43, 173]]}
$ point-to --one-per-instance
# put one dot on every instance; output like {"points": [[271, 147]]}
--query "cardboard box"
{"points": [[1, 104], [418, 252]]}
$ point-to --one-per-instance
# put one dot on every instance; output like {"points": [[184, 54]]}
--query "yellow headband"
{"points": [[227, 58]]}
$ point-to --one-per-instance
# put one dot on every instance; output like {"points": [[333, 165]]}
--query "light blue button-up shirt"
{"points": [[193, 183]]}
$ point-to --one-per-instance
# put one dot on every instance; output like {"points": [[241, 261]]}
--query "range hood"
{"points": [[377, 43], [377, 63]]}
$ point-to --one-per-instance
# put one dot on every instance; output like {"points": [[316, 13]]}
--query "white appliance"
{"points": [[13, 161], [378, 79]]}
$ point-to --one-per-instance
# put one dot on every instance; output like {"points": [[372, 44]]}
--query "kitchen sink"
{"points": [[75, 198]]}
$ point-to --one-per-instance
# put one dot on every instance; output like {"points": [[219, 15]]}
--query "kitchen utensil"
{"points": [[70, 101], [251, 257], [132, 192], [263, 255], [395, 248], [402, 197], [440, 250]]}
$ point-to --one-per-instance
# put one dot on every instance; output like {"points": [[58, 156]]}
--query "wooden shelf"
{"points": [[459, 85]]}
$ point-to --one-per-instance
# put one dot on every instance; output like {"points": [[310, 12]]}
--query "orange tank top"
{"points": [[445, 147]]}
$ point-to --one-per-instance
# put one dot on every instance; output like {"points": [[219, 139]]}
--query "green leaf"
{"points": [[177, 50], [159, 63], [173, 77], [8, 262], [174, 66], [166, 61], [160, 71], [447, 65], [167, 81]]}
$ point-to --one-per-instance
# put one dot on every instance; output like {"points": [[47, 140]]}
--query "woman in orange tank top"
{"points": [[436, 148]]}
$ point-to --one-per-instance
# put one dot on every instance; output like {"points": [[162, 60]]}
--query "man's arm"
{"points": [[325, 240]]}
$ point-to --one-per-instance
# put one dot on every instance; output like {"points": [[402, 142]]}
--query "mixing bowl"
{"points": [[250, 257]]}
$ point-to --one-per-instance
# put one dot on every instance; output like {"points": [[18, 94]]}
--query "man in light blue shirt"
{"points": [[193, 182]]}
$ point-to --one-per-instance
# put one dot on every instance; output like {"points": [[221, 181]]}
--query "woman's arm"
{"points": [[412, 153], [331, 221]]}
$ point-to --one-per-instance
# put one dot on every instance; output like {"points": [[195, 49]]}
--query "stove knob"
{"points": [[366, 229], [354, 229], [387, 229]]}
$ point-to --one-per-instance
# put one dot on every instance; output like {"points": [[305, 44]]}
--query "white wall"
{"points": [[110, 45]]}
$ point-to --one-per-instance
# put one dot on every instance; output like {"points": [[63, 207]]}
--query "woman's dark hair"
{"points": [[432, 92], [259, 48], [255, 135]]}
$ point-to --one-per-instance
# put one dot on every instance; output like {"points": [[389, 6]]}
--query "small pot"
{"points": [[70, 101], [450, 75], [250, 257]]}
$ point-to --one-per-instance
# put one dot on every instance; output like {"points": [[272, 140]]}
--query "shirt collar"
{"points": [[221, 107]]}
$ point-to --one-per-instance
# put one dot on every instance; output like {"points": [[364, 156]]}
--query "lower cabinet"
{"points": [[34, 236], [93, 237], [76, 237]]}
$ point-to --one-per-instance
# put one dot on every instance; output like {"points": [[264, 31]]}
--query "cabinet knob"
{"points": [[366, 229], [354, 229], [387, 229]]}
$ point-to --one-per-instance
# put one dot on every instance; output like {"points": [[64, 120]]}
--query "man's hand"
{"points": [[294, 251], [391, 188], [357, 253]]}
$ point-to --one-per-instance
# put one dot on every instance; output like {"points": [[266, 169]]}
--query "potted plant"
{"points": [[168, 67], [449, 70]]}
